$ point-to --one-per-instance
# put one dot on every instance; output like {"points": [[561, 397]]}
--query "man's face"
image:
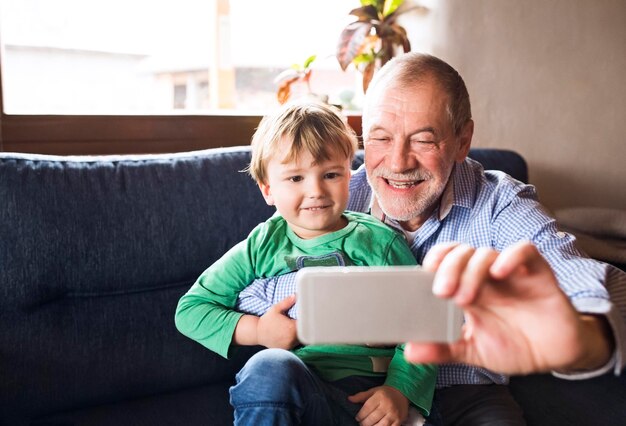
{"points": [[410, 149]]}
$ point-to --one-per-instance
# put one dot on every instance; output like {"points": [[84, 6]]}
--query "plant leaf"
{"points": [[366, 13], [368, 73], [287, 75], [364, 58], [400, 37], [370, 2], [350, 42], [283, 94], [391, 6], [284, 91], [309, 61]]}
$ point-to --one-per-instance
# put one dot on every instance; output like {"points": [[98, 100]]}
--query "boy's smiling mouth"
{"points": [[315, 208]]}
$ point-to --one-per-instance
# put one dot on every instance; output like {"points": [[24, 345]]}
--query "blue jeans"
{"points": [[276, 388]]}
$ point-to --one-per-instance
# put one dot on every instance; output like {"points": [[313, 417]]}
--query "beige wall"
{"points": [[547, 79]]}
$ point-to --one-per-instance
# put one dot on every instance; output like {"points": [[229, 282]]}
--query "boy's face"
{"points": [[311, 197]]}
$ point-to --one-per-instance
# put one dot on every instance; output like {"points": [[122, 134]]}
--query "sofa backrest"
{"points": [[95, 253]]}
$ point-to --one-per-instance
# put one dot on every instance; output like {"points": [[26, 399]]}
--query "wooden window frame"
{"points": [[126, 134]]}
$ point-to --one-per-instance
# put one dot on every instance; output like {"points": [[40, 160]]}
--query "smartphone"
{"points": [[372, 305]]}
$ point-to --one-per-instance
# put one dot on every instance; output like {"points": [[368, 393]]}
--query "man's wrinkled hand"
{"points": [[517, 319]]}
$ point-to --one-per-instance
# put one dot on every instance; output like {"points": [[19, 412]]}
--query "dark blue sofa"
{"points": [[94, 255]]}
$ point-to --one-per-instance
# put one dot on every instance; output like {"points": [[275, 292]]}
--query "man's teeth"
{"points": [[403, 184]]}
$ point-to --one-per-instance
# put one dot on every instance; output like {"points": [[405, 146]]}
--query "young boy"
{"points": [[301, 160]]}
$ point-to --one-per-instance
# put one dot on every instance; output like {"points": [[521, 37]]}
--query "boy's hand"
{"points": [[275, 329], [382, 405]]}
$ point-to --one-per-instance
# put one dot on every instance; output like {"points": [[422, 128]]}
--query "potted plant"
{"points": [[296, 74], [374, 38]]}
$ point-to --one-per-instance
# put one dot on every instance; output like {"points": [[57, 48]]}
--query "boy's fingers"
{"points": [[359, 397], [285, 304], [363, 398]]}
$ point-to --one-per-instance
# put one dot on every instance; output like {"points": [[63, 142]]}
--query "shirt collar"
{"points": [[464, 176]]}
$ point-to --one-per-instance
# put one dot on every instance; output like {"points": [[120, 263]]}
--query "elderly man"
{"points": [[486, 236], [532, 302]]}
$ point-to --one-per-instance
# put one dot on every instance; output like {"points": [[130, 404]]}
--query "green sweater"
{"points": [[205, 313]]}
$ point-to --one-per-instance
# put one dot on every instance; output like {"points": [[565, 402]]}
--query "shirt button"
{"points": [[561, 234]]}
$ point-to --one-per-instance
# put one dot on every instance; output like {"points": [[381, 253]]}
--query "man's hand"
{"points": [[382, 405], [275, 329], [517, 319]]}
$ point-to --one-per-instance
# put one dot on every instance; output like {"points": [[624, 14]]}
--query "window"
{"points": [[152, 57], [157, 75]]}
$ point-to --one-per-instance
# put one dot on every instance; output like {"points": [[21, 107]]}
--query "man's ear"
{"points": [[267, 193], [465, 141]]}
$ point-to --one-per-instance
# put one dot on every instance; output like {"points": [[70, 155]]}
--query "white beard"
{"points": [[406, 209]]}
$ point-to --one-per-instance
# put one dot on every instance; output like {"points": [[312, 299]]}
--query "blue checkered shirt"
{"points": [[489, 209]]}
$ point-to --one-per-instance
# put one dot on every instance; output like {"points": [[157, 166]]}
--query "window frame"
{"points": [[126, 134], [103, 135]]}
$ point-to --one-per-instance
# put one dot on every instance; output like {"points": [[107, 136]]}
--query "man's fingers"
{"points": [[476, 273], [436, 254], [434, 353], [450, 270], [522, 254]]}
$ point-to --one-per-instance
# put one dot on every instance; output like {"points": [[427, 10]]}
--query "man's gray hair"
{"points": [[413, 68]]}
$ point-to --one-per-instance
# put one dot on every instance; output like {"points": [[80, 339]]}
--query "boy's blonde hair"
{"points": [[311, 126]]}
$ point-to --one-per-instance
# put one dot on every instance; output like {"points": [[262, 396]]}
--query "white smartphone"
{"points": [[372, 305]]}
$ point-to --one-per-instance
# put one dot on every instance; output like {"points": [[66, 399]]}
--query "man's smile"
{"points": [[402, 184]]}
